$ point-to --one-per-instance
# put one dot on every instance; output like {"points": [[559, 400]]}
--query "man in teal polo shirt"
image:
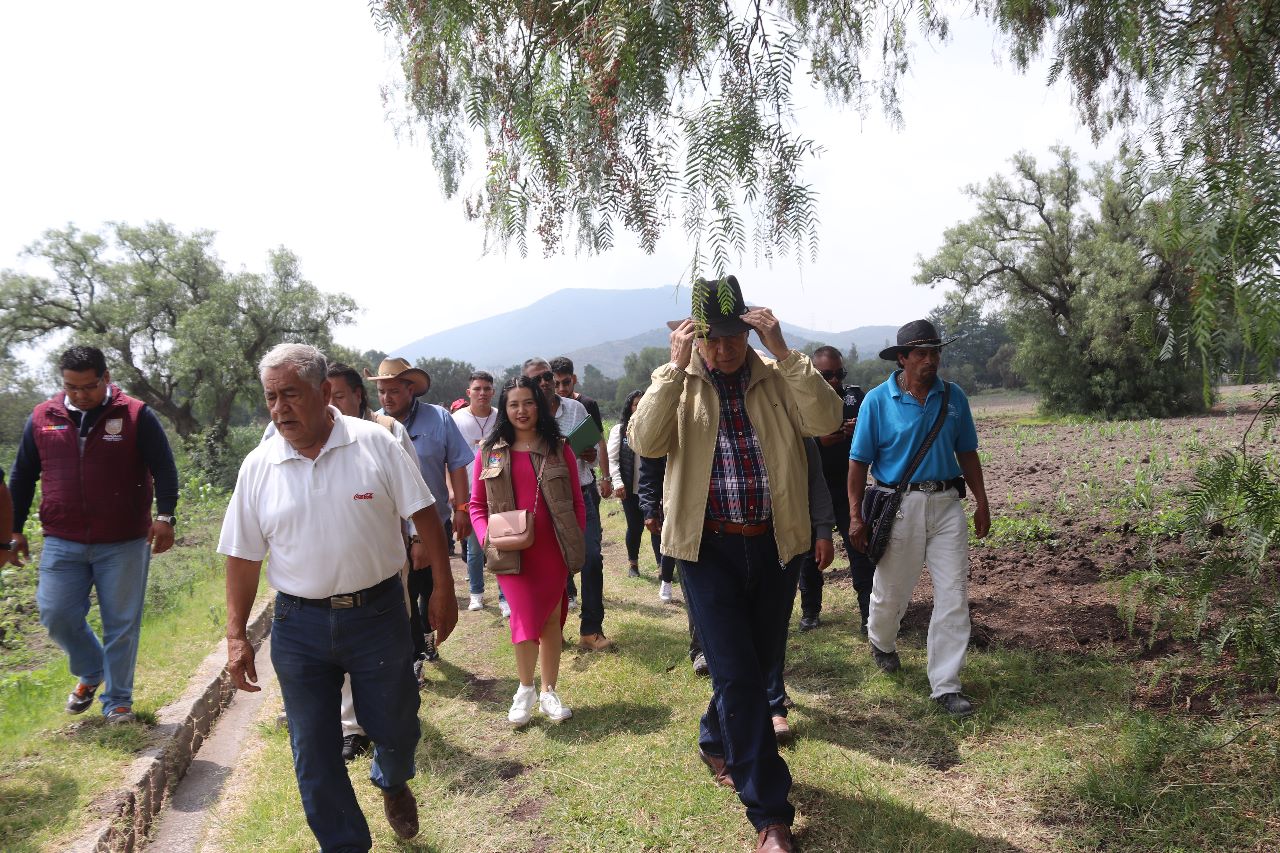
{"points": [[931, 527]]}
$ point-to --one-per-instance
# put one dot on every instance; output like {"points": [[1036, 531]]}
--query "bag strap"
{"points": [[537, 492], [928, 439]]}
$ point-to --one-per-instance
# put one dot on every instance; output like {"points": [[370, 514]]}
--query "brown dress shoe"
{"points": [[595, 643], [782, 731], [775, 838], [402, 812], [718, 770]]}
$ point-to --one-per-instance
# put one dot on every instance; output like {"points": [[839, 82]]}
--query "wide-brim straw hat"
{"points": [[399, 368]]}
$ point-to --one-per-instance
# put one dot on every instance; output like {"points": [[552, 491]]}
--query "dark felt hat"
{"points": [[720, 323], [914, 335]]}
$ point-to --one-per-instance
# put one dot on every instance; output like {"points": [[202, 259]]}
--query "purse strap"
{"points": [[928, 439], [537, 492]]}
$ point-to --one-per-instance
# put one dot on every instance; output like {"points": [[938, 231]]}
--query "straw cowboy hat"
{"points": [[399, 368], [917, 334]]}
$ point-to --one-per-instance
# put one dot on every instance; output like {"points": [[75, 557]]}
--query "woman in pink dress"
{"points": [[524, 448]]}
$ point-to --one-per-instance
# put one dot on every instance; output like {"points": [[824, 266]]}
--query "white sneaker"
{"points": [[550, 704], [504, 608], [664, 591], [477, 602], [522, 705]]}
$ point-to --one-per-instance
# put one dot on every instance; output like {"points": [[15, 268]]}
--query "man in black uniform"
{"points": [[834, 450]]}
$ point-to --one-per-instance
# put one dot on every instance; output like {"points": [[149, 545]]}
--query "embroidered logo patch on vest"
{"points": [[115, 426], [55, 427]]}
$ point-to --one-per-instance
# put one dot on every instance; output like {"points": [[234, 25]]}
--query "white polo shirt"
{"points": [[332, 524]]}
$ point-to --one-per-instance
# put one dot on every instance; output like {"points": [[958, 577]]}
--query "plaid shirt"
{"points": [[739, 489]]}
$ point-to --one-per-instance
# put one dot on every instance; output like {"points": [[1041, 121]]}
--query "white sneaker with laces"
{"points": [[551, 706], [477, 602], [504, 608], [522, 705], [664, 591]]}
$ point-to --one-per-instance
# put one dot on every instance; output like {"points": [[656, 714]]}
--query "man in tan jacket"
{"points": [[737, 518]]}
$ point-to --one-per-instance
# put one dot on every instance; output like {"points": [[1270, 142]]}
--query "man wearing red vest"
{"points": [[97, 451]]}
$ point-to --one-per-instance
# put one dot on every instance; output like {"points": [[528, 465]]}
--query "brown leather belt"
{"points": [[736, 529]]}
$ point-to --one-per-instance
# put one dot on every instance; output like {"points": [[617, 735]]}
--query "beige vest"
{"points": [[558, 484]]}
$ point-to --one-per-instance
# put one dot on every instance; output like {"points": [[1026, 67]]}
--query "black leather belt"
{"points": [[927, 486], [348, 599]]}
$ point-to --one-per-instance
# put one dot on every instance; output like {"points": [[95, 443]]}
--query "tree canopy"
{"points": [[179, 331], [1091, 289], [601, 115]]}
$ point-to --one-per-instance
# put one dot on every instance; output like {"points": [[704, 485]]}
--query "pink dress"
{"points": [[533, 593]]}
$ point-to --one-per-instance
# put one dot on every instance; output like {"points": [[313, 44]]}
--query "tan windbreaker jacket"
{"points": [[679, 417]]}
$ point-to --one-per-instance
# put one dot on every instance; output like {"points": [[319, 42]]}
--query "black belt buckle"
{"points": [[345, 602]]}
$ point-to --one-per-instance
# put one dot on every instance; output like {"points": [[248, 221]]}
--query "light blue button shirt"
{"points": [[439, 445], [892, 425]]}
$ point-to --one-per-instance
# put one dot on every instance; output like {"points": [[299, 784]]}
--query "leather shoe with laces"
{"points": [[887, 661], [956, 704], [594, 643], [402, 812], [718, 770], [781, 730], [775, 838], [808, 623], [354, 745]]}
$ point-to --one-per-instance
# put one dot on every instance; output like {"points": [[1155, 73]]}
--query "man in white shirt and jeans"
{"points": [[324, 496], [475, 421]]}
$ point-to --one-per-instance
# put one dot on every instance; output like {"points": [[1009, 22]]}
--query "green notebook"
{"points": [[587, 434]]}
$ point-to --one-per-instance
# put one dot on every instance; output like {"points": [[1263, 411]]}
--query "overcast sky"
{"points": [[264, 122]]}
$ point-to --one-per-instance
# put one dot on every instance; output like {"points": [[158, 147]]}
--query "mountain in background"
{"points": [[598, 327]]}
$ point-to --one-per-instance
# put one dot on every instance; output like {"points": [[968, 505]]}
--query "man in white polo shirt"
{"points": [[324, 497]]}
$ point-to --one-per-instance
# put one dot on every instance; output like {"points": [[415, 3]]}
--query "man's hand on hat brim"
{"points": [[769, 328]]}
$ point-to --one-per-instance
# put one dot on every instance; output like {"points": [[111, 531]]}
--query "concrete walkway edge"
{"points": [[182, 725]]}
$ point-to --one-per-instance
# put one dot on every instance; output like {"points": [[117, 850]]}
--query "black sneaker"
{"points": [[957, 705], [808, 623], [429, 647], [887, 661], [81, 698], [633, 572], [353, 746], [700, 665]]}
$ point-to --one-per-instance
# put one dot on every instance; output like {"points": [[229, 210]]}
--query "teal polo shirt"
{"points": [[892, 425]]}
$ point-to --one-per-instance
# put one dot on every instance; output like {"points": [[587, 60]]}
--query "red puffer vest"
{"points": [[104, 494]]}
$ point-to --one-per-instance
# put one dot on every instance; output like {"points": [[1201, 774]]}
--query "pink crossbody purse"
{"points": [[513, 530]]}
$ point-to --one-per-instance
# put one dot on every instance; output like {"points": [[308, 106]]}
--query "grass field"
{"points": [[1056, 759]]}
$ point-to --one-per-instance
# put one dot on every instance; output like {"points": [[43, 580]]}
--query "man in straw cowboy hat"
{"points": [[736, 497], [441, 450], [930, 526]]}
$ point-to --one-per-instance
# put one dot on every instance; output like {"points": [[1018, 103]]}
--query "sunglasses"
{"points": [[546, 376], [839, 373]]}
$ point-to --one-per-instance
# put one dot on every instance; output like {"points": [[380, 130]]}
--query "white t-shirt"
{"points": [[614, 447], [569, 417], [332, 524], [475, 430]]}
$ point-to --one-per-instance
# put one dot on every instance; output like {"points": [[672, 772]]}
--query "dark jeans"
{"points": [[635, 531], [775, 687], [740, 598], [861, 572], [421, 585], [592, 579], [312, 648]]}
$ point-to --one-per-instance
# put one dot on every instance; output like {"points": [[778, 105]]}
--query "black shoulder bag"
{"points": [[880, 506]]}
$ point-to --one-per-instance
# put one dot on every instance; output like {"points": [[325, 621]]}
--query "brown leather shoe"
{"points": [[402, 812], [782, 731], [718, 770], [594, 643], [775, 838]]}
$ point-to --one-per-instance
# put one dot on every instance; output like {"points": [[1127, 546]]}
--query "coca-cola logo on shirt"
{"points": [[362, 496]]}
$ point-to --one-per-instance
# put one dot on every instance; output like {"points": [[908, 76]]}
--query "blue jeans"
{"points": [[118, 571], [740, 598], [775, 686], [592, 579], [475, 565], [312, 648]]}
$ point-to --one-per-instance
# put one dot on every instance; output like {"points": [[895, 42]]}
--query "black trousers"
{"points": [[420, 586], [861, 570]]}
